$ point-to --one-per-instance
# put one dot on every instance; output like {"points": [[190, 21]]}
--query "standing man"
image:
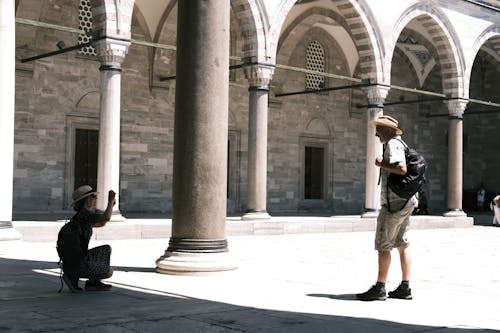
{"points": [[394, 216]]}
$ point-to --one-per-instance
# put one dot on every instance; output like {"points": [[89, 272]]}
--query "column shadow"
{"points": [[30, 303]]}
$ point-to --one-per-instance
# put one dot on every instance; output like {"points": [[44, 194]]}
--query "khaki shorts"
{"points": [[392, 228]]}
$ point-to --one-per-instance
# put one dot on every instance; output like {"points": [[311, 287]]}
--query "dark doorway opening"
{"points": [[86, 147], [314, 171]]}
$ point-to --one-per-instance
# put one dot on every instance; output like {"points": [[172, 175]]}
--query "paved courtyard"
{"points": [[284, 283]]}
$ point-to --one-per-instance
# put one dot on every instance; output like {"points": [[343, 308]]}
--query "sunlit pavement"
{"points": [[284, 283]]}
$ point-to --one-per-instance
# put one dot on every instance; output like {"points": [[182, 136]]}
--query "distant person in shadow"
{"points": [[496, 210], [78, 261], [481, 194]]}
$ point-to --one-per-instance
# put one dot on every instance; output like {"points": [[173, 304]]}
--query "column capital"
{"points": [[111, 52], [376, 95], [259, 75], [456, 107]]}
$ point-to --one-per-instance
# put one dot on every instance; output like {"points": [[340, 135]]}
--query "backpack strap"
{"points": [[60, 278], [404, 143], [387, 182]]}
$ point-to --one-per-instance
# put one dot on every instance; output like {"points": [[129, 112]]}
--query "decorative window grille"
{"points": [[85, 18], [315, 60]]}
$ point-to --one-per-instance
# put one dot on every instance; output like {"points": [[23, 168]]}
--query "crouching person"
{"points": [[78, 261]]}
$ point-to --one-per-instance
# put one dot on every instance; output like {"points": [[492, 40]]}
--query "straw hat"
{"points": [[82, 192], [387, 121]]}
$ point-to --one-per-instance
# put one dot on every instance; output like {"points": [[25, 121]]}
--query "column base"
{"points": [[455, 213], [8, 232], [192, 263], [370, 213], [117, 217], [256, 216]]}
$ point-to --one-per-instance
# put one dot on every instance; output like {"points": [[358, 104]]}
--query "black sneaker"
{"points": [[401, 292], [72, 283], [375, 293], [96, 285]]}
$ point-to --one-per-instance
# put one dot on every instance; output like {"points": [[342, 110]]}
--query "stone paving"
{"points": [[284, 283]]}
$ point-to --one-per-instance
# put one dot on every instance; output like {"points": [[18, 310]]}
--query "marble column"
{"points": [[259, 77], [376, 97], [455, 158], [111, 53], [198, 243], [7, 110]]}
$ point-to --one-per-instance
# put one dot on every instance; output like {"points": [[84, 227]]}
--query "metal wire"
{"points": [[360, 82]]}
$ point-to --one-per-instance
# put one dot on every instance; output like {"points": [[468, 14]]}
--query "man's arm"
{"points": [[101, 222], [399, 168]]}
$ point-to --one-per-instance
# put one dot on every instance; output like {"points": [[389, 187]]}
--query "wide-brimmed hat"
{"points": [[82, 192], [387, 121]]}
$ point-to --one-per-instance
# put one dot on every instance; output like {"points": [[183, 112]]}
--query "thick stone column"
{"points": [[198, 243], [7, 110], [111, 53], [259, 77], [455, 160], [376, 98]]}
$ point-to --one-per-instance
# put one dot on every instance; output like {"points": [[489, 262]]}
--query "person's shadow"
{"points": [[341, 297]]}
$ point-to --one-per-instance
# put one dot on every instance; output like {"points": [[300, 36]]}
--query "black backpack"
{"points": [[405, 186], [69, 247]]}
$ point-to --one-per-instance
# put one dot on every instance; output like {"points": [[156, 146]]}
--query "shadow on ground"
{"points": [[30, 303]]}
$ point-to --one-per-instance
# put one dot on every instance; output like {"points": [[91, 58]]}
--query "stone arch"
{"points": [[89, 100], [359, 23], [138, 18], [444, 40], [159, 55], [254, 24], [418, 44], [310, 12], [293, 53], [313, 15], [114, 19], [492, 35], [318, 126], [139, 22]]}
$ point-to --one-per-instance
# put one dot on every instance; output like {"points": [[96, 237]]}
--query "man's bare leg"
{"points": [[405, 258], [384, 262]]}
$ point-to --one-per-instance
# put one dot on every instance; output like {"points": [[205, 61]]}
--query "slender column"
{"points": [[455, 160], [7, 109], [376, 97], [259, 77], [198, 243], [111, 53]]}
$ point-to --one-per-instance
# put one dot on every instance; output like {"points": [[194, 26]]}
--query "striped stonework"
{"points": [[444, 43], [253, 29], [363, 34], [112, 19]]}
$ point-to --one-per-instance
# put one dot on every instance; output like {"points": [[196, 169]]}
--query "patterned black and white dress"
{"points": [[96, 263]]}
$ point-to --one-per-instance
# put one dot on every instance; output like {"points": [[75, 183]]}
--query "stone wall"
{"points": [[56, 94]]}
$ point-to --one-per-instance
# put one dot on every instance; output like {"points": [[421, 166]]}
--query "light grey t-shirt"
{"points": [[394, 152]]}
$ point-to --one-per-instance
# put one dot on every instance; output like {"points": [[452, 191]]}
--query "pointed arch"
{"points": [[491, 34], [444, 39], [310, 16], [357, 20], [89, 100], [254, 26], [318, 126]]}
